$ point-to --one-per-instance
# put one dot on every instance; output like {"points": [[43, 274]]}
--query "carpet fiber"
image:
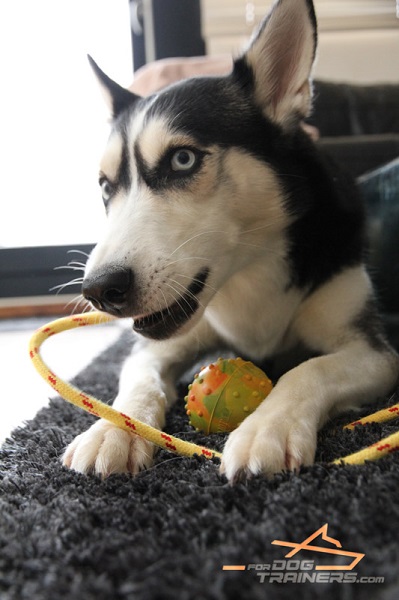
{"points": [[168, 532]]}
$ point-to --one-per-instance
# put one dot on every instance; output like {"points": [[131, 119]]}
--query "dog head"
{"points": [[190, 178]]}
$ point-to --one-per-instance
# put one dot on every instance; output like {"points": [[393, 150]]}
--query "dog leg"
{"points": [[147, 390], [356, 366], [281, 433]]}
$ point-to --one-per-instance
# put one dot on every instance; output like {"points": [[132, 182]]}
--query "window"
{"points": [[53, 124], [52, 120]]}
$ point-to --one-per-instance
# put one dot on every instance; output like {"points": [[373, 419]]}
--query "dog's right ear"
{"points": [[117, 97], [278, 62]]}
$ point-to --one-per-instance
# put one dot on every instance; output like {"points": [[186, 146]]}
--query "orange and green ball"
{"points": [[224, 393]]}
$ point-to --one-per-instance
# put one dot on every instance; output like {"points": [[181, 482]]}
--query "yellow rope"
{"points": [[94, 406], [159, 438], [385, 446]]}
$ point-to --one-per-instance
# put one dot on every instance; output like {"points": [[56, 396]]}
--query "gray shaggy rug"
{"points": [[167, 533]]}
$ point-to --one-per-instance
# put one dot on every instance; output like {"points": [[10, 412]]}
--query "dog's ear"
{"points": [[117, 97], [279, 61]]}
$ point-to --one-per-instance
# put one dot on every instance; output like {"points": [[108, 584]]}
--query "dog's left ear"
{"points": [[117, 97], [280, 59]]}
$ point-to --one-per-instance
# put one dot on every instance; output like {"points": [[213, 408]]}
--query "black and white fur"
{"points": [[226, 226]]}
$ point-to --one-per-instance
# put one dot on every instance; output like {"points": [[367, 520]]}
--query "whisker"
{"points": [[178, 115], [62, 286], [166, 302], [186, 291], [70, 267], [166, 306], [88, 307], [177, 301], [265, 225], [77, 301], [78, 252], [186, 258], [179, 294], [196, 281], [77, 308], [76, 263], [194, 237]]}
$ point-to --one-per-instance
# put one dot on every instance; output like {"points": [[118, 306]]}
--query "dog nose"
{"points": [[109, 289]]}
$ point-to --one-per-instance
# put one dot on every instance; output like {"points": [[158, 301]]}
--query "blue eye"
{"points": [[107, 189], [183, 160]]}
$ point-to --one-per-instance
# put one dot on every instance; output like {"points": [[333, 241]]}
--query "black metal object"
{"points": [[33, 271], [164, 29]]}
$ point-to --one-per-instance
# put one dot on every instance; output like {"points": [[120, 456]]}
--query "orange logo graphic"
{"points": [[305, 545]]}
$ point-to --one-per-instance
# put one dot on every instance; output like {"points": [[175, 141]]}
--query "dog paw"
{"points": [[267, 446], [105, 449]]}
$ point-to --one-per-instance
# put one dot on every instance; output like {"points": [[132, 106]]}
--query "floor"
{"points": [[23, 390]]}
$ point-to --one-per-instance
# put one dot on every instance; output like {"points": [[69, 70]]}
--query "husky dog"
{"points": [[227, 227]]}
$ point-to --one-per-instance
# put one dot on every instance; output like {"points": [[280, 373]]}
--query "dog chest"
{"points": [[253, 311]]}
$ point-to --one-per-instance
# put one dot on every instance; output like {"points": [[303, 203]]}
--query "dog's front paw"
{"points": [[268, 444], [105, 449]]}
